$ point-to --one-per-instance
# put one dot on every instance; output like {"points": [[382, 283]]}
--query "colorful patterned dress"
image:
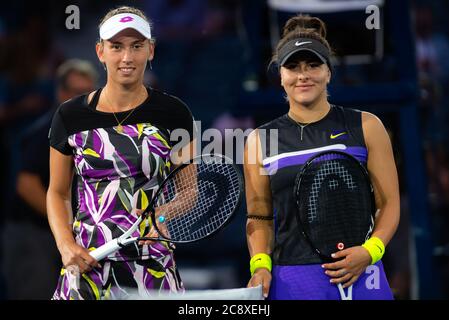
{"points": [[118, 169]]}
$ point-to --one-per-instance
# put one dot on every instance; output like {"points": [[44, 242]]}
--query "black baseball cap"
{"points": [[303, 44]]}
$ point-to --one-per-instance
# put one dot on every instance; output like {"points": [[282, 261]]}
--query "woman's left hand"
{"points": [[346, 271]]}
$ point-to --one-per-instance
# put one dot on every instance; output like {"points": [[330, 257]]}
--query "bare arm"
{"points": [[59, 212], [384, 177], [383, 174], [30, 188], [59, 197], [259, 233], [184, 154], [258, 199]]}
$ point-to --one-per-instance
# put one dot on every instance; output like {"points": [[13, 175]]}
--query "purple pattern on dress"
{"points": [[83, 236], [91, 197], [98, 174], [79, 138], [132, 171], [131, 131], [158, 148], [104, 175], [97, 143]]}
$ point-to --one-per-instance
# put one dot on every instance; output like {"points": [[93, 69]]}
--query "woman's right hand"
{"points": [[77, 258], [261, 277]]}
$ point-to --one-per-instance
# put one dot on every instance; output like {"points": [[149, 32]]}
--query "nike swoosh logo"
{"points": [[337, 135], [297, 43]]}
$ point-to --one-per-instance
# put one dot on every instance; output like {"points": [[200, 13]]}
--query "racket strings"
{"points": [[198, 200], [322, 174], [334, 203]]}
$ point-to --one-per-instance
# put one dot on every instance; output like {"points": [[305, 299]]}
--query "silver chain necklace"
{"points": [[302, 127]]}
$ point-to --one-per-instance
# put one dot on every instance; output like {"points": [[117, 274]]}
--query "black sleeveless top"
{"points": [[341, 129]]}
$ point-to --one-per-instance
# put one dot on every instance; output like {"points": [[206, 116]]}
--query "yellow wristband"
{"points": [[260, 260], [375, 247]]}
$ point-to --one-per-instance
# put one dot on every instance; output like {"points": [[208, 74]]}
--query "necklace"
{"points": [[302, 127], [305, 124], [119, 123]]}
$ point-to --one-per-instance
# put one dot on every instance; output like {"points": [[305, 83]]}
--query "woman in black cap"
{"points": [[281, 259], [117, 141]]}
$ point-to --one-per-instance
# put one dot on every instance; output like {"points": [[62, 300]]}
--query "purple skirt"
{"points": [[309, 282]]}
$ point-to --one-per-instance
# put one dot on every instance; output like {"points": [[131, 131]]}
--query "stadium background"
{"points": [[213, 54]]}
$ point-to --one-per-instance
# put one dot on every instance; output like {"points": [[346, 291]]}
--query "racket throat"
{"points": [[125, 242]]}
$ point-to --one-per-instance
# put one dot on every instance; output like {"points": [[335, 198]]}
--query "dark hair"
{"points": [[123, 9], [302, 26]]}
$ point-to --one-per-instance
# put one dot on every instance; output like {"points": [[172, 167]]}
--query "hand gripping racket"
{"points": [[196, 199], [336, 206]]}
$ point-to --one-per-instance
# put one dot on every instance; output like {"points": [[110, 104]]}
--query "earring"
{"points": [[149, 62], [104, 66]]}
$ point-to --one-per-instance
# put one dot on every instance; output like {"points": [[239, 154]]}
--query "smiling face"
{"points": [[125, 56], [304, 78]]}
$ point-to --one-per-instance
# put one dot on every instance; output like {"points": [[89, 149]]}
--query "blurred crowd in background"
{"points": [[213, 54]]}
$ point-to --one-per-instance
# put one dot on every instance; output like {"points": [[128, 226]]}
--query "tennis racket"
{"points": [[195, 200], [336, 206]]}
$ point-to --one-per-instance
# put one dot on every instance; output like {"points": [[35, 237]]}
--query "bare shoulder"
{"points": [[370, 119], [372, 125], [253, 138], [253, 154], [374, 131]]}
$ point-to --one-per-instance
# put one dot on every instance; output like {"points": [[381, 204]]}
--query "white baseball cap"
{"points": [[123, 21]]}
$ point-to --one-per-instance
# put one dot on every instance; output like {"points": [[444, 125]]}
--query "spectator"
{"points": [[433, 74], [28, 243]]}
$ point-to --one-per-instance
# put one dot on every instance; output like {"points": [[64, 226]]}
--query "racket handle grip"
{"points": [[105, 250]]}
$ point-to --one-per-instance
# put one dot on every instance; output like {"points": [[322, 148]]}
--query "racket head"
{"points": [[335, 202], [197, 199]]}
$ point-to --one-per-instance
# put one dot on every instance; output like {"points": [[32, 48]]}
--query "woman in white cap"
{"points": [[117, 141], [281, 259]]}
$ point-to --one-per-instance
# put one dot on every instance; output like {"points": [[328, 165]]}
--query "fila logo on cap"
{"points": [[297, 43]]}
